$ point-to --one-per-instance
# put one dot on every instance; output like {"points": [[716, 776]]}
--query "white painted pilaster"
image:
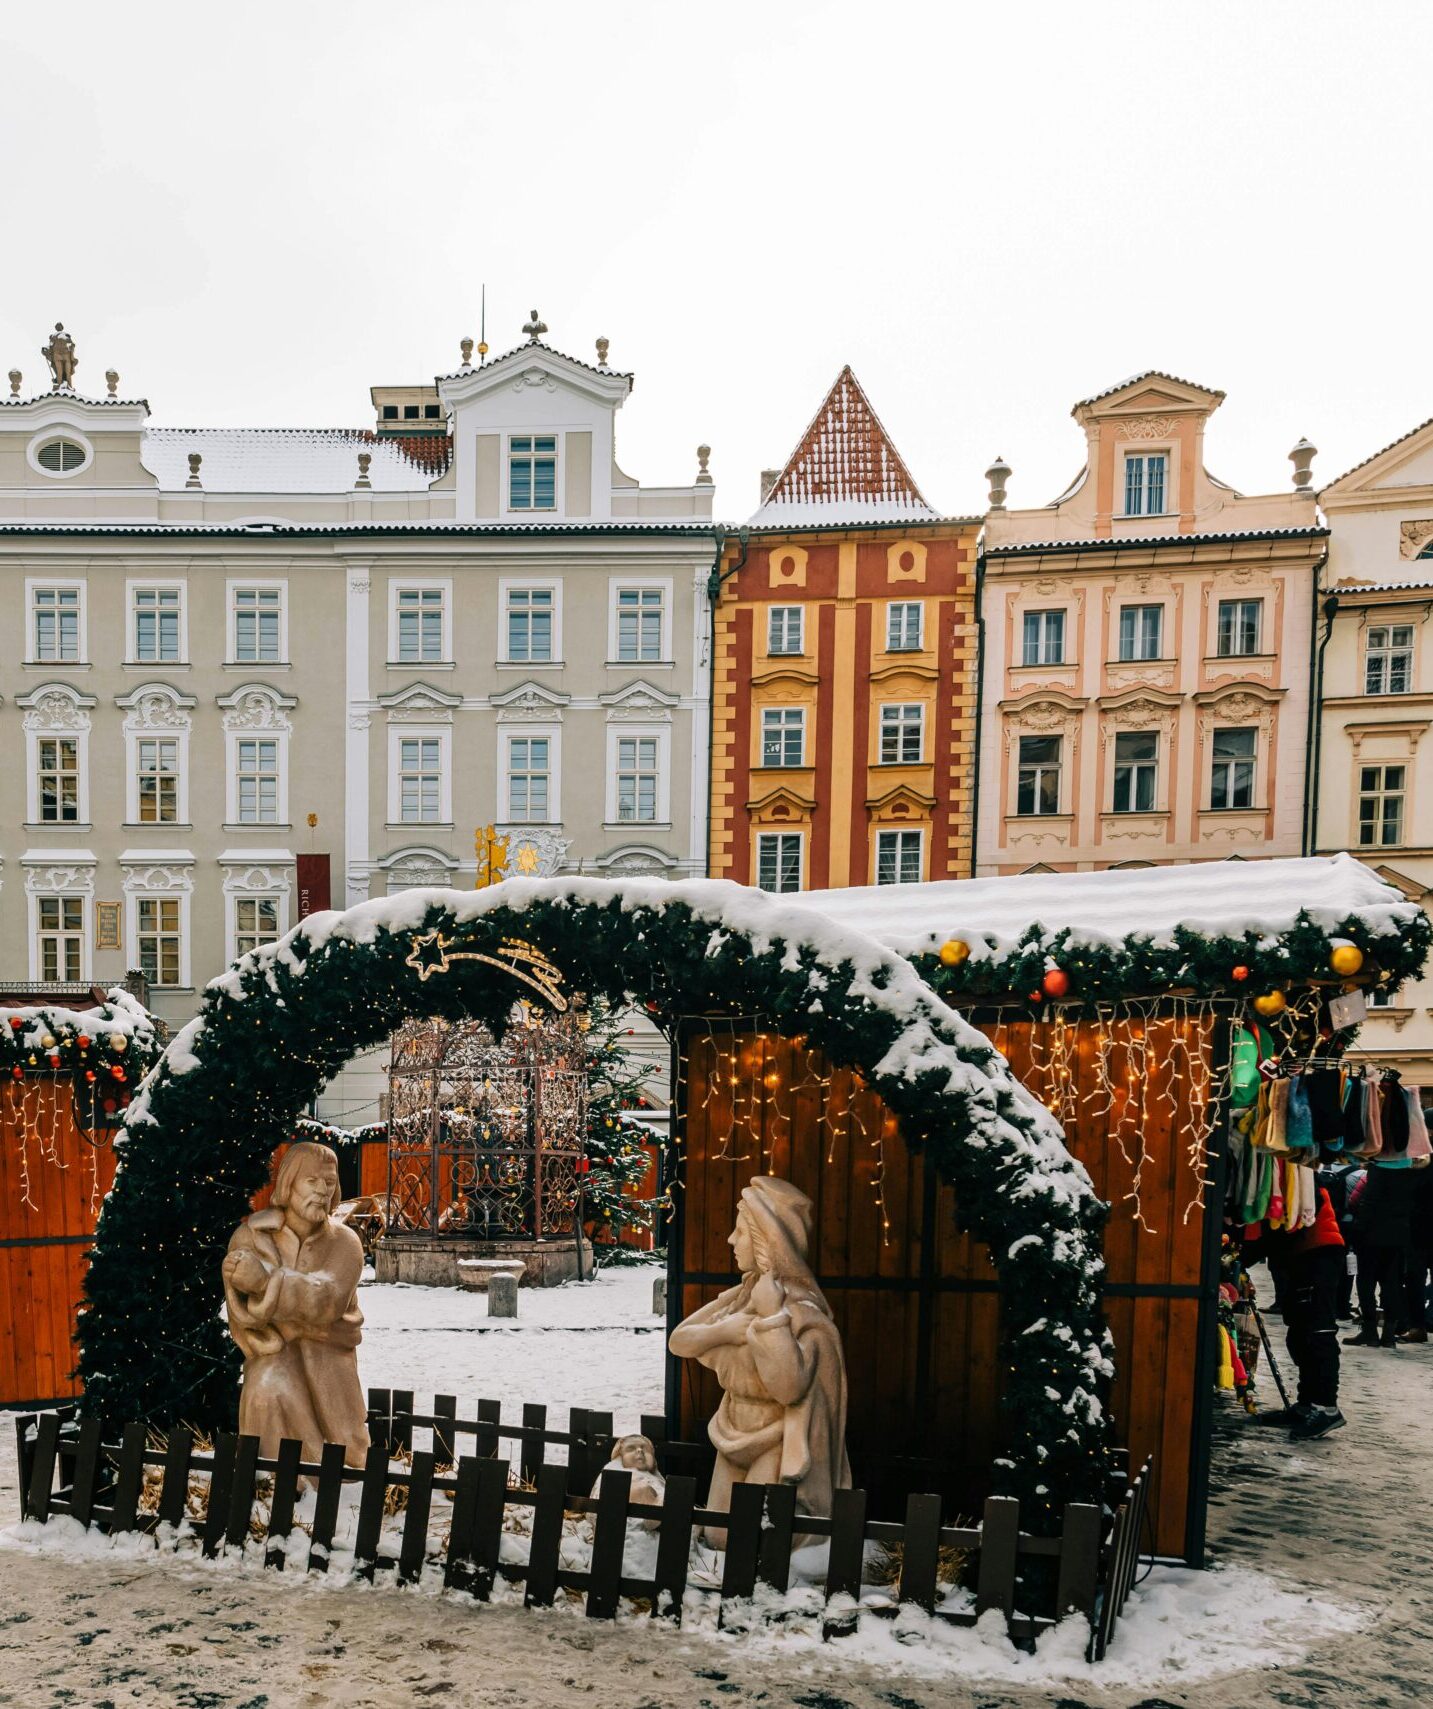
{"points": [[356, 851]]}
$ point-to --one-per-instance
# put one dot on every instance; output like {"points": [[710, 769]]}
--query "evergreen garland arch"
{"points": [[281, 1022]]}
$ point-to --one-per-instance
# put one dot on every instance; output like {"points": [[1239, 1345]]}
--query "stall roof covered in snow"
{"points": [[1277, 914]]}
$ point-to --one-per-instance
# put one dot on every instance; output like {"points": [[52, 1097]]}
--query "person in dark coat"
{"points": [[1339, 1180], [1314, 1264], [1382, 1222], [1420, 1259]]}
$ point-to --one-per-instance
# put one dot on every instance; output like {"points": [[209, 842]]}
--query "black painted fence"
{"points": [[66, 1467]]}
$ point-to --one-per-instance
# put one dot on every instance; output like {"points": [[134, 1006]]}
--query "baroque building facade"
{"points": [[256, 672], [844, 671], [1373, 774], [1146, 650]]}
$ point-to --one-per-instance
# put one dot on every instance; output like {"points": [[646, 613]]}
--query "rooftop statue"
{"points": [[60, 354]]}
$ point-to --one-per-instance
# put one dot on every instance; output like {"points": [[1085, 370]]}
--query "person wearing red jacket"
{"points": [[1315, 1262]]}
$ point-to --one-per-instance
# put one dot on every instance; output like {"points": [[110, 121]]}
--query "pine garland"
{"points": [[106, 1051]]}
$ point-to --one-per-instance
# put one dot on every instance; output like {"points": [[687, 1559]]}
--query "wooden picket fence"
{"points": [[68, 1468]]}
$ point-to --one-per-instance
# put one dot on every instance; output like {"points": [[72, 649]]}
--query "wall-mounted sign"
{"points": [[107, 918]]}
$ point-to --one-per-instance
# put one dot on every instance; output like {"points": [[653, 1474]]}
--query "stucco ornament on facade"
{"points": [[262, 880], [529, 704], [157, 709], [257, 709], [54, 710], [1148, 427], [47, 880], [177, 879], [1414, 536], [534, 853]]}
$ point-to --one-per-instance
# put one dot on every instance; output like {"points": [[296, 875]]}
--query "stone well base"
{"points": [[431, 1263]]}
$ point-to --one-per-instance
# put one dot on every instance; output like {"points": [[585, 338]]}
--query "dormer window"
{"points": [[61, 457], [1145, 483], [532, 472]]}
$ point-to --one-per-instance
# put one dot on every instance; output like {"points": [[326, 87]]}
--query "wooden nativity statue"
{"points": [[291, 1286]]}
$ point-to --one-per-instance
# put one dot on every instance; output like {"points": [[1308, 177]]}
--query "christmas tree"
{"points": [[617, 1157]]}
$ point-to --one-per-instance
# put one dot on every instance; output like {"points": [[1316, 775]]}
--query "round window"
{"points": [[60, 457]]}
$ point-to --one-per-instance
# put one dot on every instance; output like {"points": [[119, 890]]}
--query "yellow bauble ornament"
{"points": [[1271, 1003], [48, 1041], [1346, 960], [118, 1043], [954, 951]]}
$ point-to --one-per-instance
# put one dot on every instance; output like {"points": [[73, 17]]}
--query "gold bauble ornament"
{"points": [[117, 1043], [1346, 960], [1271, 1003], [48, 1041], [954, 951]]}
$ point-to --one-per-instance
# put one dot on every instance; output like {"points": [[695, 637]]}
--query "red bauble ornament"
{"points": [[90, 1076], [83, 1041], [1036, 996], [17, 1072], [117, 1072], [1241, 973], [1056, 982], [16, 1022], [54, 1059]]}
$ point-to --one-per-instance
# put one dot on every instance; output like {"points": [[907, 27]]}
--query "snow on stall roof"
{"points": [[293, 459], [121, 1013], [1212, 898]]}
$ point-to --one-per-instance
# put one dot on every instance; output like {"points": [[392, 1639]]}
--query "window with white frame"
{"points": [[778, 861], [1241, 622], [258, 614], [1231, 776], [1136, 771], [157, 763], [529, 778], [532, 472], [783, 736], [159, 938], [1388, 659], [898, 857], [256, 922], [158, 624], [905, 623], [640, 616], [638, 778], [1381, 796], [256, 780], [420, 779], [419, 624], [902, 734], [60, 937], [58, 776], [785, 630], [1145, 483], [530, 624], [1141, 631], [1043, 638], [1037, 784], [55, 624]]}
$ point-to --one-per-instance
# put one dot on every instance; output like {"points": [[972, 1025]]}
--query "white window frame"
{"points": [[799, 650], [81, 739], [84, 899], [528, 512], [1229, 767], [132, 900], [1239, 599], [916, 831], [398, 733], [132, 739], [895, 605], [642, 732], [1384, 657], [778, 837], [1380, 794], [530, 584], [900, 725], [420, 584], [637, 584], [55, 584], [1043, 614], [232, 738], [1137, 658], [154, 584], [804, 724], [255, 584], [552, 734], [1039, 768], [1143, 453], [280, 898], [1157, 763]]}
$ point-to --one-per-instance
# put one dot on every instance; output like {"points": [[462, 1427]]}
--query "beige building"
{"points": [[1146, 650], [245, 673], [1374, 760]]}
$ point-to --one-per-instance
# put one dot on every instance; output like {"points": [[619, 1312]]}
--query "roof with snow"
{"points": [[844, 470], [526, 348], [293, 459], [1147, 926], [1146, 374]]}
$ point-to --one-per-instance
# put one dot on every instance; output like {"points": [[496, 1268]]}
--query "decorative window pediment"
{"points": [[256, 706], [55, 706], [530, 700]]}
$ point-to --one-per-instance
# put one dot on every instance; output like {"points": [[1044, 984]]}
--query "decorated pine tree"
{"points": [[617, 1160]]}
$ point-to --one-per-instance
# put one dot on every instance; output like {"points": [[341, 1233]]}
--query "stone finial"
{"points": [[1302, 457], [603, 344], [703, 458], [466, 346], [998, 474], [111, 379], [535, 327], [195, 459], [365, 458], [15, 378]]}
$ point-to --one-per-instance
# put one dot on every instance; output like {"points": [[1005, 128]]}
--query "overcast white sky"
{"points": [[256, 212]]}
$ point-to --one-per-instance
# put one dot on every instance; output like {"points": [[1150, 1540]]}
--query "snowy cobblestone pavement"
{"points": [[1345, 1517]]}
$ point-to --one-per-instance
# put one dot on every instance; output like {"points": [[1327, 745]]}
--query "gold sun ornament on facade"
{"points": [[431, 954]]}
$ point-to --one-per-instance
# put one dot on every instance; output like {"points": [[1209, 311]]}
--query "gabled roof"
{"points": [[1147, 374], [845, 469], [1393, 445], [526, 348], [293, 459]]}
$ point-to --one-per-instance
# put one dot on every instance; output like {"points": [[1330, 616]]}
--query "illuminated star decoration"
{"points": [[430, 954]]}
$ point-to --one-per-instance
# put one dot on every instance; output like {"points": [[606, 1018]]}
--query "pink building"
{"points": [[1146, 650]]}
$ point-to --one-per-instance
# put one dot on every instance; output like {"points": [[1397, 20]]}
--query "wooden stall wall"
{"points": [[918, 1302], [52, 1181]]}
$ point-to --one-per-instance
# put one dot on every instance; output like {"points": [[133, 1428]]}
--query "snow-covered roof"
{"points": [[1146, 374], [1213, 899], [293, 459], [844, 470]]}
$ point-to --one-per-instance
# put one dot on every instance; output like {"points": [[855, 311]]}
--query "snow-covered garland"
{"points": [[109, 1048], [285, 1018]]}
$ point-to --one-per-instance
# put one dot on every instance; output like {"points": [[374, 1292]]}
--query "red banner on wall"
{"points": [[313, 884]]}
